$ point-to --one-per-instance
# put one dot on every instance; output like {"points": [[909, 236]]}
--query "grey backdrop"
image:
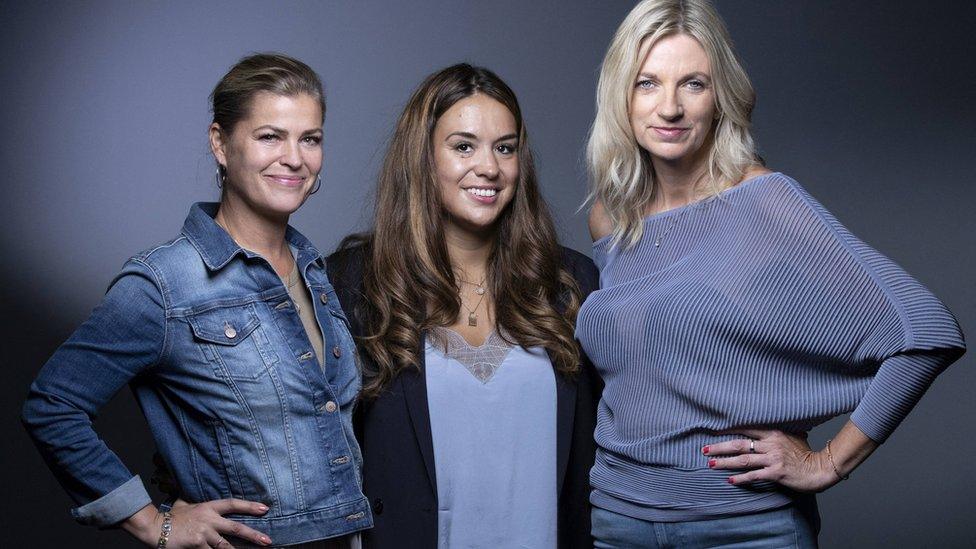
{"points": [[868, 105]]}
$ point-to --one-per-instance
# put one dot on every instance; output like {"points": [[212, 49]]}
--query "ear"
{"points": [[218, 143]]}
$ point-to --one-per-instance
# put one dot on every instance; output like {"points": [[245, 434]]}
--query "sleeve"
{"points": [[124, 335], [913, 339]]}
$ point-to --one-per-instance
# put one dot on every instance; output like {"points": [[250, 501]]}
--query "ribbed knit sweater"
{"points": [[756, 309]]}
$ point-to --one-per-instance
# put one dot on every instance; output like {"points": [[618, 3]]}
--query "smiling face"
{"points": [[672, 108], [272, 156], [476, 163]]}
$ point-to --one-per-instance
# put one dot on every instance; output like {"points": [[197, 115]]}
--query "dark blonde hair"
{"points": [[262, 72], [409, 283]]}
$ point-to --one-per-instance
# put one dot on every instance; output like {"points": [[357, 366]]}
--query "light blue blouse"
{"points": [[494, 435]]}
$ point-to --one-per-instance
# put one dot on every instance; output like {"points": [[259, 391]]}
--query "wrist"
{"points": [[144, 525], [835, 464]]}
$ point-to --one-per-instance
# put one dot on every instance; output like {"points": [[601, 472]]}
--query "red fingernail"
{"points": [[705, 450], [731, 480], [711, 463]]}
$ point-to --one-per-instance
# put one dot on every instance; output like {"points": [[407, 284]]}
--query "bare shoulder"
{"points": [[600, 225]]}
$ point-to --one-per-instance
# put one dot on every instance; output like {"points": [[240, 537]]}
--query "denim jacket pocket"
{"points": [[232, 340]]}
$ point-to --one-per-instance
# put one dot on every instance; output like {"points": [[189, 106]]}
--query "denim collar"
{"points": [[217, 248]]}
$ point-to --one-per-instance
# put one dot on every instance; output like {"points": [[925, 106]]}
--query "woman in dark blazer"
{"points": [[463, 259]]}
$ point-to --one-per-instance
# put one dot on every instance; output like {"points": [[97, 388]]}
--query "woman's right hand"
{"points": [[197, 525]]}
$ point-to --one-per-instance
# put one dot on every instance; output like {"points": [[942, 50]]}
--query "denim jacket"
{"points": [[206, 336]]}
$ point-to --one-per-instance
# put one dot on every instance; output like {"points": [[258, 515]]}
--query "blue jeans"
{"points": [[784, 527]]}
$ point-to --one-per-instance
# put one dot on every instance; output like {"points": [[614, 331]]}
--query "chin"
{"points": [[477, 224], [282, 207]]}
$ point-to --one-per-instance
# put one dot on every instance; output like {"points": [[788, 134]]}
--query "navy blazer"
{"points": [[398, 453]]}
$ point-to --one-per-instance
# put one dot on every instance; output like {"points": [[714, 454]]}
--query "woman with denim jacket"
{"points": [[478, 407], [234, 344]]}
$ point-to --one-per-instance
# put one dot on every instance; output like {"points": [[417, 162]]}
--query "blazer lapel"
{"points": [[565, 413], [413, 382]]}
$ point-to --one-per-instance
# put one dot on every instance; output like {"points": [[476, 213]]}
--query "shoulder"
{"points": [[581, 268], [345, 268], [780, 197], [346, 264], [599, 221], [169, 260]]}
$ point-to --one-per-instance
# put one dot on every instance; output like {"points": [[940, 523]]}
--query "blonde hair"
{"points": [[621, 174]]}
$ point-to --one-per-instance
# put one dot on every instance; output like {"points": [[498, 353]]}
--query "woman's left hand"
{"points": [[776, 456]]}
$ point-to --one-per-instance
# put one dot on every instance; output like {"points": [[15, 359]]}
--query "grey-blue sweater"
{"points": [[756, 308]]}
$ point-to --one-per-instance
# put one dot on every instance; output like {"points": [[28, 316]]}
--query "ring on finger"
{"points": [[752, 446]]}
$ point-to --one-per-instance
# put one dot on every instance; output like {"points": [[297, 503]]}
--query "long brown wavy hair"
{"points": [[409, 282]]}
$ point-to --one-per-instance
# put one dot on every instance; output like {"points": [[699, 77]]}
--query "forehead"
{"points": [[676, 53], [266, 108], [477, 114]]}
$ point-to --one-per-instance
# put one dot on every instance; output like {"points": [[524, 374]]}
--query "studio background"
{"points": [[104, 113]]}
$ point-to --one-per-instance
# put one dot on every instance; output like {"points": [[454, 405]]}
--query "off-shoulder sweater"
{"points": [[752, 308]]}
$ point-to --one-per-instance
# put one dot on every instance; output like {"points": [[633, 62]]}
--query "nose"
{"points": [[670, 108], [487, 165], [291, 155]]}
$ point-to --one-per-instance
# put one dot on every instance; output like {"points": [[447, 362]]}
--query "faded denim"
{"points": [[206, 336]]}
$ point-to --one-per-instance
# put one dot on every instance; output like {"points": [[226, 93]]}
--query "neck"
{"points": [[678, 182], [259, 234], [469, 251]]}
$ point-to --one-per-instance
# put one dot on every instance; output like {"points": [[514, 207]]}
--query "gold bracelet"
{"points": [[830, 457]]}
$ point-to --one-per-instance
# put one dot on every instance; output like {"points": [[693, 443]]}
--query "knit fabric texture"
{"points": [[752, 308]]}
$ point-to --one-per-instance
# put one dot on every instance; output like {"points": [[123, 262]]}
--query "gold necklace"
{"points": [[472, 314], [479, 288]]}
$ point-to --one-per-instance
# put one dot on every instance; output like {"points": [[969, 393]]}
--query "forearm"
{"points": [[848, 449]]}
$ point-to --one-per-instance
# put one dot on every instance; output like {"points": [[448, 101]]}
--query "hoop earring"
{"points": [[318, 185], [220, 176]]}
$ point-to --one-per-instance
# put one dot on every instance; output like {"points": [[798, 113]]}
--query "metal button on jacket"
{"points": [[324, 298], [336, 351], [330, 406]]}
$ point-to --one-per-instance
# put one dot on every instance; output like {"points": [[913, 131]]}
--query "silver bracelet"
{"points": [[165, 530]]}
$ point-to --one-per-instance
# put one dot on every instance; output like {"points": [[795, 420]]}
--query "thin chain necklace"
{"points": [[660, 237], [472, 313], [479, 288]]}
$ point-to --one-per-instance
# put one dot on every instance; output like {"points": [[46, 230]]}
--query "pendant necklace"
{"points": [[479, 288], [674, 221], [472, 313]]}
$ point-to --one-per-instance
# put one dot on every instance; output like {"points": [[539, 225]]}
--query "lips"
{"points": [[670, 133], [483, 195], [286, 180]]}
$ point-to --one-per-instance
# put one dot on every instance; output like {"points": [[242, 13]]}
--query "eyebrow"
{"points": [[284, 131], [695, 74], [469, 135]]}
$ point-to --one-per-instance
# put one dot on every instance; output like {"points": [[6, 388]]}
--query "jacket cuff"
{"points": [[115, 506]]}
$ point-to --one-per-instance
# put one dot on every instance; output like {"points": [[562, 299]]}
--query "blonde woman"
{"points": [[735, 313]]}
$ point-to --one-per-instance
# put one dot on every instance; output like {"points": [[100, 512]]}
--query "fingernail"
{"points": [[705, 450], [731, 480], [711, 463], [263, 508], [266, 540]]}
